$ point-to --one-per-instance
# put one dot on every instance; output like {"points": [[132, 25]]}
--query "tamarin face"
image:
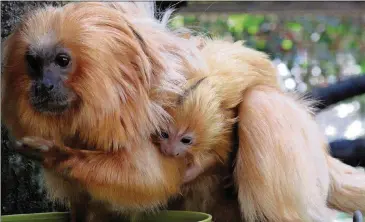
{"points": [[48, 68], [175, 143], [81, 57]]}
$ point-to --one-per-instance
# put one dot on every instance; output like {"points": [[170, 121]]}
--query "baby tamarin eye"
{"points": [[186, 140], [164, 135]]}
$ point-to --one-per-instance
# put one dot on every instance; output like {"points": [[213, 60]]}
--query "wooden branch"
{"points": [[351, 152], [339, 91]]}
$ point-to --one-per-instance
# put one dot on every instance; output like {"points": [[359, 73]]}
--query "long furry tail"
{"points": [[347, 191]]}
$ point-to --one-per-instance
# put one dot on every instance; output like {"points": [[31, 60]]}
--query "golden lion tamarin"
{"points": [[89, 76], [201, 129], [96, 77]]}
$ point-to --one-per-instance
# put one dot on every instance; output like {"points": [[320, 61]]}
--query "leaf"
{"points": [[287, 44], [177, 21], [261, 44], [236, 22], [253, 30], [293, 26], [363, 67], [189, 19]]}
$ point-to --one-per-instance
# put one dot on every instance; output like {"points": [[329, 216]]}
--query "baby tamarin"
{"points": [[200, 130]]}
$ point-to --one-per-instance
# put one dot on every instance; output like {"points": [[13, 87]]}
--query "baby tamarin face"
{"points": [[176, 143]]}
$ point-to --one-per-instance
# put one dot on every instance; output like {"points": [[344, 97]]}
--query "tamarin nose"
{"points": [[50, 80], [44, 87], [47, 84]]}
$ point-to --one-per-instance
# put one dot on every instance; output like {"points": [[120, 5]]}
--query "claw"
{"points": [[29, 153], [37, 143]]}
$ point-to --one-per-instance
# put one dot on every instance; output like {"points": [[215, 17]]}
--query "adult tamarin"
{"points": [[91, 76], [119, 71]]}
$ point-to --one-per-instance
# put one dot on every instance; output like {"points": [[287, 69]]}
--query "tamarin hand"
{"points": [[44, 151]]}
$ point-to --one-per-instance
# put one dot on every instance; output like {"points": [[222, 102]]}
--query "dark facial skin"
{"points": [[48, 70]]}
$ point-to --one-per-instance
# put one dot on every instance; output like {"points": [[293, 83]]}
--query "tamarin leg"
{"points": [[142, 178], [281, 169], [67, 192], [78, 211]]}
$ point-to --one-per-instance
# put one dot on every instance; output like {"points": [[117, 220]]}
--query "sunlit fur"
{"points": [[236, 68], [283, 169], [126, 65]]}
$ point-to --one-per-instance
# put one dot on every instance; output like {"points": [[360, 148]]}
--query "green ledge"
{"points": [[162, 216]]}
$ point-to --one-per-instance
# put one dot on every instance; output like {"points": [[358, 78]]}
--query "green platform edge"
{"points": [[51, 216], [159, 217], [64, 216]]}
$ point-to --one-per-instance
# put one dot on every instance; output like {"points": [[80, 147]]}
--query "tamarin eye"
{"points": [[33, 61], [62, 60], [186, 140], [164, 135]]}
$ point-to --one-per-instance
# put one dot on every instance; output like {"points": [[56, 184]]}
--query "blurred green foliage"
{"points": [[315, 49]]}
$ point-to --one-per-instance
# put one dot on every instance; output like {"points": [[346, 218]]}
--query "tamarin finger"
{"points": [[43, 151], [28, 151]]}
